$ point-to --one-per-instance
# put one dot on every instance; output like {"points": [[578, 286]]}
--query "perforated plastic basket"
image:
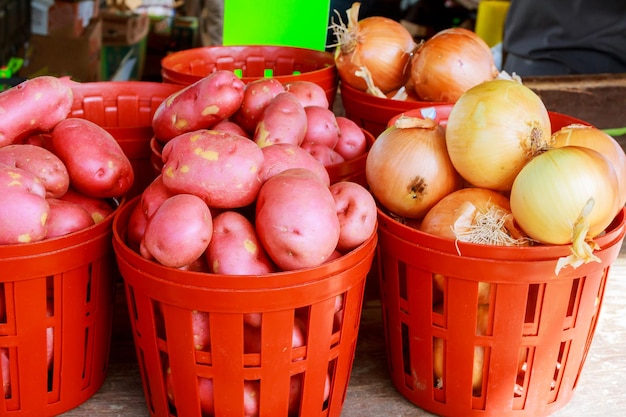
{"points": [[164, 303], [475, 330], [125, 109], [56, 306], [251, 62]]}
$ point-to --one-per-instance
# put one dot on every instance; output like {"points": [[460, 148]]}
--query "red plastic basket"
{"points": [[125, 109], [56, 306], [509, 336], [373, 113], [353, 170], [285, 63], [162, 302]]}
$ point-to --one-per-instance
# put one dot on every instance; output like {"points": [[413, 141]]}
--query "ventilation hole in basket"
{"points": [[251, 397], [534, 300], [574, 302], [5, 360], [3, 304], [89, 284], [438, 362], [130, 291], [86, 354], [523, 374], [159, 321], [479, 372], [338, 317], [438, 290], [329, 382], [201, 330], [406, 349], [50, 286], [559, 367]]}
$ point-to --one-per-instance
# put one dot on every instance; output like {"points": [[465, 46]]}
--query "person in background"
{"points": [[563, 37], [210, 14]]}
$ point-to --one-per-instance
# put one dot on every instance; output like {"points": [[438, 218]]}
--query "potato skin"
{"points": [[179, 231], [98, 208], [23, 217], [199, 105], [256, 97], [45, 165], [282, 156], [96, 163], [18, 179], [283, 121], [219, 167], [66, 217], [296, 219], [35, 105]]}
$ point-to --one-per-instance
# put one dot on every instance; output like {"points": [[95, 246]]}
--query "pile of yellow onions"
{"points": [[376, 49], [450, 63]]}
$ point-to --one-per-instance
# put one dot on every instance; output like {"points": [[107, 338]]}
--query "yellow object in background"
{"points": [[490, 18]]}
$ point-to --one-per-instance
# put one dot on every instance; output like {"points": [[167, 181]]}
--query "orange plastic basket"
{"points": [[56, 306], [162, 303], [125, 109], [353, 170], [474, 330], [373, 113], [251, 62]]}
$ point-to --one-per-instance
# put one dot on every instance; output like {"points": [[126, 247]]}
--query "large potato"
{"points": [[219, 167], [154, 195], [45, 165], [23, 217], [235, 248], [199, 105], [179, 231], [282, 156], [283, 121], [96, 163], [296, 219], [18, 179], [98, 208], [33, 106]]}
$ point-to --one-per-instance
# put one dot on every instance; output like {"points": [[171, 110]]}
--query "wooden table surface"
{"points": [[600, 393]]}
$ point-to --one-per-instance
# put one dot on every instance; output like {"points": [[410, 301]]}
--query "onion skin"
{"points": [[450, 63], [408, 170], [594, 138], [493, 130], [550, 193], [382, 45]]}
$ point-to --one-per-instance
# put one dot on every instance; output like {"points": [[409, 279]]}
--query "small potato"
{"points": [[322, 126], [98, 208], [179, 231], [200, 105], [66, 217], [136, 228], [33, 106], [154, 195], [283, 121], [282, 156], [23, 217], [18, 179], [352, 142], [256, 97], [219, 167], [45, 165], [96, 163], [356, 210], [231, 127], [235, 248], [296, 219], [327, 156], [308, 93]]}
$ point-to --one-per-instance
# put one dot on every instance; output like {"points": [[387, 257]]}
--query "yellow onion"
{"points": [[494, 129], [407, 168], [594, 138], [450, 63], [566, 195], [376, 47]]}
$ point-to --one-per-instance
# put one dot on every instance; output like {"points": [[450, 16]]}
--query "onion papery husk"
{"points": [[408, 169], [566, 196], [577, 134], [494, 129], [379, 44]]}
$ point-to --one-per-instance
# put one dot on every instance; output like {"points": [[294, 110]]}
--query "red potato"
{"points": [[296, 219], [322, 126], [252, 337], [201, 329], [295, 393], [283, 121], [327, 156], [179, 231], [65, 217], [136, 228], [154, 195], [235, 249], [6, 372], [351, 142], [35, 105], [98, 208], [219, 167], [23, 217], [45, 165], [308, 93], [18, 179], [282, 156], [256, 96], [231, 127], [356, 210], [96, 163], [200, 105], [205, 392]]}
